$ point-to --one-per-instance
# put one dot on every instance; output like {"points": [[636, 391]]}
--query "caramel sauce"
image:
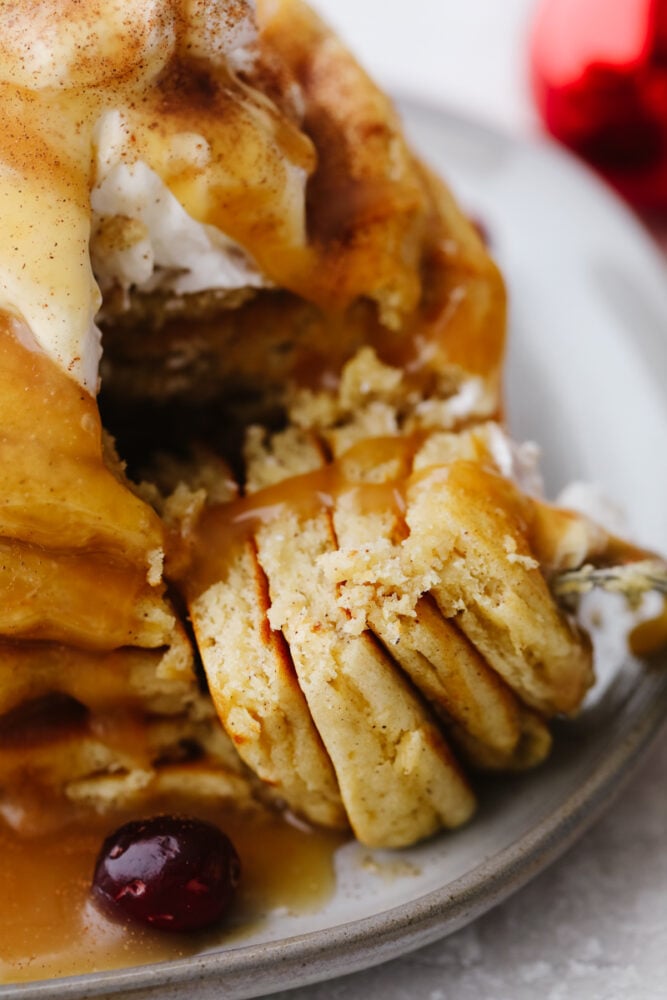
{"points": [[223, 528], [47, 595], [109, 681], [38, 720], [76, 546], [50, 927], [57, 490], [650, 636]]}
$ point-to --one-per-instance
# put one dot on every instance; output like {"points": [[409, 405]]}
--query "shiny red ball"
{"points": [[599, 75], [169, 872]]}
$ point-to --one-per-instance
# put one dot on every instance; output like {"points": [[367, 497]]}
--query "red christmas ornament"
{"points": [[599, 74]]}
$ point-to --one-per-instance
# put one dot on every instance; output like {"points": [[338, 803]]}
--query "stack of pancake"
{"points": [[99, 700], [317, 573]]}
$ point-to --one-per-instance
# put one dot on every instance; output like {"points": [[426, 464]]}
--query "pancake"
{"points": [[107, 730], [289, 463]]}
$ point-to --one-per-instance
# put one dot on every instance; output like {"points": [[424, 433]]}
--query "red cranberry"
{"points": [[173, 873]]}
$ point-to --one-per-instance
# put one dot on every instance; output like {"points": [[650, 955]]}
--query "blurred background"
{"points": [[467, 55]]}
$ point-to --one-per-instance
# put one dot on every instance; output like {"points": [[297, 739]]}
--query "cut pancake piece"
{"points": [[367, 501], [391, 796], [255, 690], [436, 657], [483, 717], [368, 518], [398, 779], [470, 525], [329, 550], [532, 748], [248, 667]]}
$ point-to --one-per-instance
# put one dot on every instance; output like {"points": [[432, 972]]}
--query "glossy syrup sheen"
{"points": [[224, 527], [75, 543], [50, 927]]}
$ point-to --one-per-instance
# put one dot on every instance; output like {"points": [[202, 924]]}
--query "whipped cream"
{"points": [[65, 43], [222, 31], [143, 238], [127, 134]]}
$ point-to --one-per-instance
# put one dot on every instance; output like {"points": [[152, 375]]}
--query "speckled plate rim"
{"points": [[246, 971]]}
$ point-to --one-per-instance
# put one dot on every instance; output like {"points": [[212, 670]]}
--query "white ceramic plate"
{"points": [[587, 371]]}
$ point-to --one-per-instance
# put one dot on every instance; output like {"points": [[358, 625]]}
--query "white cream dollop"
{"points": [[168, 249], [224, 32], [71, 71]]}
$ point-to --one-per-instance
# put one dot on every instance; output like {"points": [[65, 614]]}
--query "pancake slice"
{"points": [[443, 664], [255, 690], [491, 584], [248, 667], [330, 567], [398, 779]]}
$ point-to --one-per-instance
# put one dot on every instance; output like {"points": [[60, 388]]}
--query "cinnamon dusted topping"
{"points": [[67, 65], [66, 44], [192, 150]]}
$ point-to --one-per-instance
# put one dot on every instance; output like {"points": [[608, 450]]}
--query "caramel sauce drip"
{"points": [[76, 544], [72, 597], [38, 721], [223, 528], [256, 164], [108, 680]]}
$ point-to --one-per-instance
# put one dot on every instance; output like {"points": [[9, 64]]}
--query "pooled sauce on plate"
{"points": [[49, 925]]}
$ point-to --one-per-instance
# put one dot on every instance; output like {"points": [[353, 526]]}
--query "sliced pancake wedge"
{"points": [[254, 687], [467, 523], [398, 779], [248, 666], [387, 801], [443, 664]]}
